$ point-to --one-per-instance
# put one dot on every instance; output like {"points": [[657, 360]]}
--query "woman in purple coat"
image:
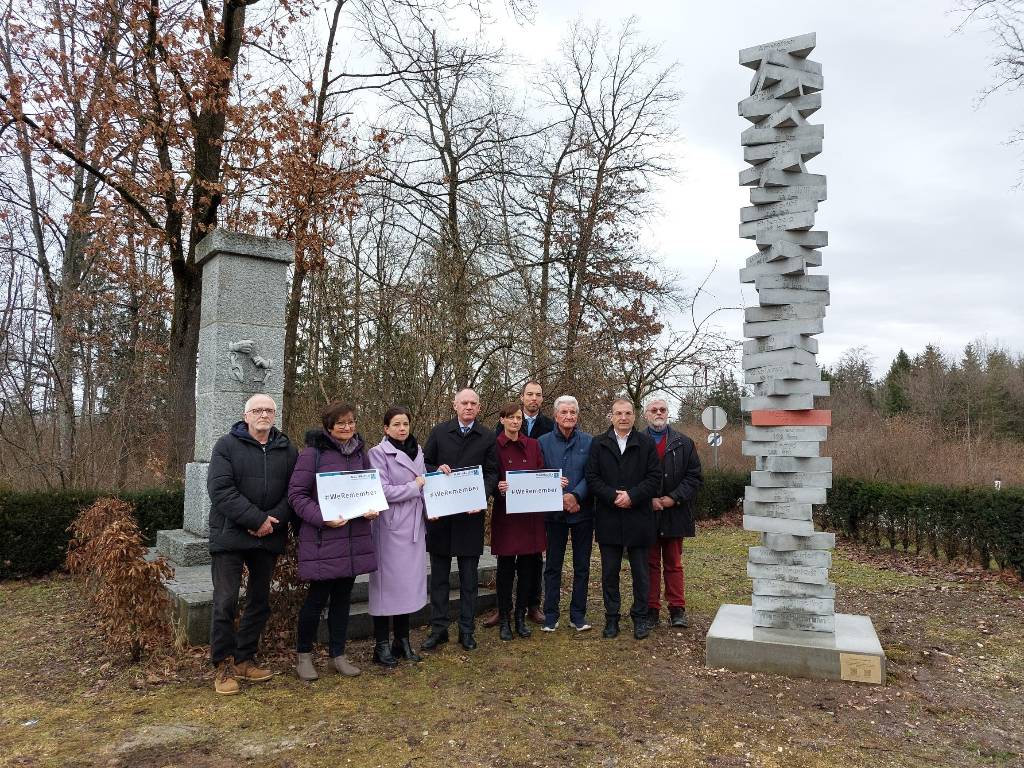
{"points": [[331, 553], [517, 540], [398, 587]]}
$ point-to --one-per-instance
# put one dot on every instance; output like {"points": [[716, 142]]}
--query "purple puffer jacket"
{"points": [[328, 553]]}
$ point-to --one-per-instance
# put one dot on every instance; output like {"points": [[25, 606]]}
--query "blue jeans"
{"points": [[582, 534]]}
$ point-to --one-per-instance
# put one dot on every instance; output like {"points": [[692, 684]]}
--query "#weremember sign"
{"points": [[461, 491], [533, 490], [348, 495]]}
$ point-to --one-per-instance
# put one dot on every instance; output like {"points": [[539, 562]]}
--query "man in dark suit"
{"points": [[461, 442], [623, 475], [535, 424]]}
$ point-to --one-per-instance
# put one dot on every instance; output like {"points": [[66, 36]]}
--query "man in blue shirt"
{"points": [[568, 448]]}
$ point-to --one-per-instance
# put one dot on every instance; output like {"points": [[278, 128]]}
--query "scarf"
{"points": [[409, 446]]}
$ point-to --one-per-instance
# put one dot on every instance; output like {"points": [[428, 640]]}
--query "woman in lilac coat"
{"points": [[398, 587], [331, 553]]}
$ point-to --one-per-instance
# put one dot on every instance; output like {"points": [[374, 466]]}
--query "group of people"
{"points": [[633, 488]]}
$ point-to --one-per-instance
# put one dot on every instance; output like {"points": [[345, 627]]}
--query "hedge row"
{"points": [[979, 523], [34, 526]]}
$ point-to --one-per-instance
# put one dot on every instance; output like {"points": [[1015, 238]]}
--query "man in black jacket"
{"points": [[249, 514], [623, 475], [461, 442], [681, 479]]}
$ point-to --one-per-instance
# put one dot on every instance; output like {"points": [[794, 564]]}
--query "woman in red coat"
{"points": [[518, 539]]}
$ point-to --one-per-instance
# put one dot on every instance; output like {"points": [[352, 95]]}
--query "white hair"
{"points": [[654, 400], [248, 403], [566, 400]]}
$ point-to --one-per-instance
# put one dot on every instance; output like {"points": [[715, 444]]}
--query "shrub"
{"points": [[126, 591], [721, 493], [34, 526]]}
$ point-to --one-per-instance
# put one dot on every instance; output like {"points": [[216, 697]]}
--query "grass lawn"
{"points": [[955, 693]]}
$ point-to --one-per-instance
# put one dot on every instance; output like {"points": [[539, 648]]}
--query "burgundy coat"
{"points": [[521, 533], [328, 553]]}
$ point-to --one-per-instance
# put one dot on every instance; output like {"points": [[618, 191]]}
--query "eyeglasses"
{"points": [[658, 410], [262, 411], [344, 424]]}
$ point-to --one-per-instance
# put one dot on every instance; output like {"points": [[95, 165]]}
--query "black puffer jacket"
{"points": [[248, 482], [681, 478], [637, 472]]}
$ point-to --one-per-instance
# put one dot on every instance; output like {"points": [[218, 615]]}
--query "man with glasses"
{"points": [[681, 479], [249, 514]]}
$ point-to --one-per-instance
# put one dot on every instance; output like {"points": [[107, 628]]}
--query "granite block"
{"points": [[775, 194], [791, 371], [791, 479], [792, 588], [811, 558], [783, 340], [777, 402], [223, 241], [803, 327], [197, 499], [792, 387], [771, 296], [777, 525], [756, 110], [786, 448], [756, 212], [806, 622], [798, 46], [786, 433], [819, 606], [791, 418], [795, 464], [791, 355], [801, 495], [757, 134], [801, 573], [786, 222], [813, 238], [243, 290], [182, 547], [817, 540]]}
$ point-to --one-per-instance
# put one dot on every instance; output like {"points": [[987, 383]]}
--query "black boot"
{"points": [[382, 655], [678, 617], [641, 630], [435, 639], [521, 629], [611, 627], [402, 649], [504, 626]]}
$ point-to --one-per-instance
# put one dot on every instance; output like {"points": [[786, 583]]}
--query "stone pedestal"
{"points": [[852, 652], [241, 353]]}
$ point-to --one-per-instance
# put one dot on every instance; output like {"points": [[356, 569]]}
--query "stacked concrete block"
{"points": [[790, 568]]}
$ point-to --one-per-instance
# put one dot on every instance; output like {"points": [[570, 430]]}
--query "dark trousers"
{"points": [[582, 534], [226, 570], [338, 594], [523, 569], [380, 627], [611, 564], [440, 565], [534, 598]]}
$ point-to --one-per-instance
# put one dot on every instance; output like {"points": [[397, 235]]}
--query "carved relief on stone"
{"points": [[238, 352]]}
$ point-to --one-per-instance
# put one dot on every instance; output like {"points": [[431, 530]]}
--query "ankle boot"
{"points": [[521, 629], [504, 627], [402, 649], [382, 655], [304, 668]]}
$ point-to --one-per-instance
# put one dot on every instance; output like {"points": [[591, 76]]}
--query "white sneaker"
{"points": [[550, 628], [582, 627]]}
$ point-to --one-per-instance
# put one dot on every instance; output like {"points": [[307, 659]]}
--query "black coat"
{"points": [[681, 478], [541, 426], [457, 535], [638, 472], [248, 482]]}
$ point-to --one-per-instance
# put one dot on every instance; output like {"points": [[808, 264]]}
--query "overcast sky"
{"points": [[922, 212]]}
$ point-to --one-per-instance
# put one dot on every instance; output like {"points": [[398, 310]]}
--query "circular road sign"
{"points": [[714, 418], [715, 439]]}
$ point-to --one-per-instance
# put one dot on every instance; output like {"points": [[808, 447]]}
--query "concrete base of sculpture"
{"points": [[851, 653], [191, 591]]}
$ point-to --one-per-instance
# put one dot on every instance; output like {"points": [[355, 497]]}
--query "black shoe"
{"points": [[382, 655], [677, 617], [504, 627], [653, 617], [401, 648], [521, 629], [466, 641], [434, 640], [641, 629], [611, 627]]}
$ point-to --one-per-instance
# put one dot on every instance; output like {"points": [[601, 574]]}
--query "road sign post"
{"points": [[714, 418]]}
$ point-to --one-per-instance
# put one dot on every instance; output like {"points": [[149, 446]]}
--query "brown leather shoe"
{"points": [[247, 670], [536, 615], [491, 619], [224, 681]]}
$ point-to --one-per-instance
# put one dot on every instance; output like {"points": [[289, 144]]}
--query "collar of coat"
{"points": [[318, 438], [401, 456], [277, 439], [633, 438], [503, 440], [454, 426]]}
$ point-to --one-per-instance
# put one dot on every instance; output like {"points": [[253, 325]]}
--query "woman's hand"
{"points": [[502, 486], [335, 523], [421, 481], [372, 514]]}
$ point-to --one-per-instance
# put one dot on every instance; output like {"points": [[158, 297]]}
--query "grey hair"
{"points": [[566, 400], [653, 400], [248, 403]]}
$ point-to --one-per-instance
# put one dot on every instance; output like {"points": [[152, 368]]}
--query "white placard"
{"points": [[348, 495], [461, 491], [533, 490]]}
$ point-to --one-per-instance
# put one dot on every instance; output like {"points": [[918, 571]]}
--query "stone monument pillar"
{"points": [[241, 353], [791, 627]]}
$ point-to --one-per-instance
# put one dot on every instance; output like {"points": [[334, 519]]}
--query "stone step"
{"points": [[191, 590], [183, 547]]}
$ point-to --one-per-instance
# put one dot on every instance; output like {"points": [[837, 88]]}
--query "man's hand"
{"points": [[622, 500], [445, 468], [667, 501], [570, 504], [266, 528], [565, 481], [656, 503]]}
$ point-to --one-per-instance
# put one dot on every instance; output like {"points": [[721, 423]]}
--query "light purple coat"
{"points": [[399, 585]]}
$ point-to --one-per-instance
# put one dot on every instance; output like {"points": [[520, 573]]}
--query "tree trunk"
{"points": [[291, 333], [181, 385]]}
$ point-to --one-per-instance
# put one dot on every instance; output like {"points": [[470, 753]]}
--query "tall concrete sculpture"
{"points": [[791, 626]]}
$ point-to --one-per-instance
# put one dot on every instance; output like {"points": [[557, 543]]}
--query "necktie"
{"points": [[465, 430]]}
